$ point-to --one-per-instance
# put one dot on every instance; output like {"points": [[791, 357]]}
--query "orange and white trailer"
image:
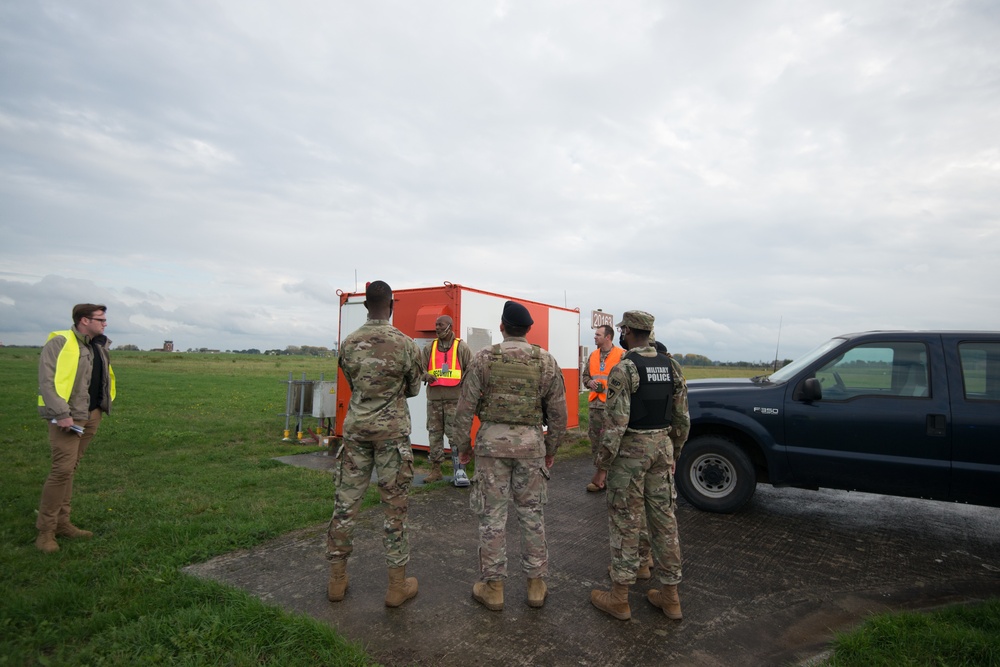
{"points": [[476, 316]]}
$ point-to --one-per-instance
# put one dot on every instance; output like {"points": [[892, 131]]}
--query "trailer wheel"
{"points": [[715, 475]]}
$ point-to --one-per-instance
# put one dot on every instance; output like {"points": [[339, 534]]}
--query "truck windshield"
{"points": [[786, 372]]}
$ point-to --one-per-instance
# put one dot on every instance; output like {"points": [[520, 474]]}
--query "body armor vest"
{"points": [[513, 394], [652, 403]]}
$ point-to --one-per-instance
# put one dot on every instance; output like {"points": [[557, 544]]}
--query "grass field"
{"points": [[182, 471]]}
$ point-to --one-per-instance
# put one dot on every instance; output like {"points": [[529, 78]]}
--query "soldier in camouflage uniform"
{"points": [[595, 378], [515, 389], [382, 368], [648, 423], [443, 389]]}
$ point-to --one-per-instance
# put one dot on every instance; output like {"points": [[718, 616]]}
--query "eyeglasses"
{"points": [[97, 319]]}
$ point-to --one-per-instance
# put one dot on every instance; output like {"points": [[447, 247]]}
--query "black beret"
{"points": [[516, 315]]}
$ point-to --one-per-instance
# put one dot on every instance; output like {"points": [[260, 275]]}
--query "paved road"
{"points": [[767, 586]]}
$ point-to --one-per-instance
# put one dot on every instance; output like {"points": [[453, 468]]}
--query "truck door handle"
{"points": [[937, 425]]}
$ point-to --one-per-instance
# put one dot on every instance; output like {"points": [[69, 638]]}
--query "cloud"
{"points": [[216, 172]]}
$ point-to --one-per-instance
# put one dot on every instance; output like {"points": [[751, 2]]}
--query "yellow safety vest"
{"points": [[435, 366], [66, 365]]}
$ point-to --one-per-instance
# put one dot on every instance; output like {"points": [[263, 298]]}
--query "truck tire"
{"points": [[715, 475]]}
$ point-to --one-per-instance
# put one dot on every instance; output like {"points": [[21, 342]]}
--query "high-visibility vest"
{"points": [[66, 365], [601, 375], [440, 361]]}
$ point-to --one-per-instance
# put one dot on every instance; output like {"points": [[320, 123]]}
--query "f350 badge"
{"points": [[766, 411]]}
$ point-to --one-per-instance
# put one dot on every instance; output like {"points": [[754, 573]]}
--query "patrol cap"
{"points": [[637, 319], [516, 315]]}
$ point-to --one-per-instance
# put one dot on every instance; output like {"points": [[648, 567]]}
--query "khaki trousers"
{"points": [[57, 493]]}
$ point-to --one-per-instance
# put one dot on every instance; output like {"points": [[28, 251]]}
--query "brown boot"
{"points": [[537, 590], [434, 475], [645, 570], [489, 594], [401, 587], [69, 530], [336, 587], [46, 542], [666, 599], [614, 602]]}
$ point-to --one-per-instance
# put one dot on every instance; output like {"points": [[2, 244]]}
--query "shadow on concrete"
{"points": [[767, 586]]}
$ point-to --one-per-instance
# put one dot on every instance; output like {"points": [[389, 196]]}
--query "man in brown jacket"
{"points": [[76, 386]]}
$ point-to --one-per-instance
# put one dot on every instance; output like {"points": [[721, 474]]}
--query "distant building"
{"points": [[168, 346]]}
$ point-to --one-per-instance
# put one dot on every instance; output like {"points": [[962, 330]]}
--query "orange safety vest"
{"points": [[601, 374], [447, 371]]}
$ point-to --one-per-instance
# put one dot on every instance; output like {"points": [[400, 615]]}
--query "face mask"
{"points": [[621, 341]]}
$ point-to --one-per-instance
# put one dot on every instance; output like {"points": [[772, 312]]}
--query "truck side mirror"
{"points": [[809, 390]]}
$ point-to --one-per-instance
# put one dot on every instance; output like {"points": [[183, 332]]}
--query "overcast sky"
{"points": [[215, 171]]}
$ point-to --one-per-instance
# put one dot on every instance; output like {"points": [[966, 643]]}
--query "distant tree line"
{"points": [[702, 360], [300, 350], [304, 350], [318, 351]]}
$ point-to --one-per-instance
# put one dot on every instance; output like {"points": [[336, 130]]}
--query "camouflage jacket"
{"points": [[446, 393], [514, 441], [623, 381], [382, 368]]}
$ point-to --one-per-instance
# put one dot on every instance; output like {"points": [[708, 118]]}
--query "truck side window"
{"points": [[877, 369], [980, 370]]}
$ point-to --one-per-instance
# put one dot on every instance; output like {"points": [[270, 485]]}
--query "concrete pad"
{"points": [[769, 585]]}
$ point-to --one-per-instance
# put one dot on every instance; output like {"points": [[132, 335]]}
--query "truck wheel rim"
{"points": [[713, 476]]}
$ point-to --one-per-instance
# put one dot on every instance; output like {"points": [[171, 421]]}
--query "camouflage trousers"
{"points": [[440, 422], [597, 417], [498, 480], [641, 490], [392, 461]]}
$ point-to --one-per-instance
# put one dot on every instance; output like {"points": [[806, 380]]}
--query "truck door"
{"points": [[881, 425], [974, 378]]}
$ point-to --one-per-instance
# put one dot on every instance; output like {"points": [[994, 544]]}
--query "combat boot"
{"points": [[434, 475], [614, 602], [336, 587], [645, 570], [69, 530], [401, 587], [666, 599], [537, 590], [46, 542], [489, 594]]}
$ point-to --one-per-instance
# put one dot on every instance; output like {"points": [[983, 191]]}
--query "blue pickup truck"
{"points": [[903, 413]]}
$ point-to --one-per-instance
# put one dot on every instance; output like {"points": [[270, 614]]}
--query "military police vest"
{"points": [[513, 393], [652, 402]]}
